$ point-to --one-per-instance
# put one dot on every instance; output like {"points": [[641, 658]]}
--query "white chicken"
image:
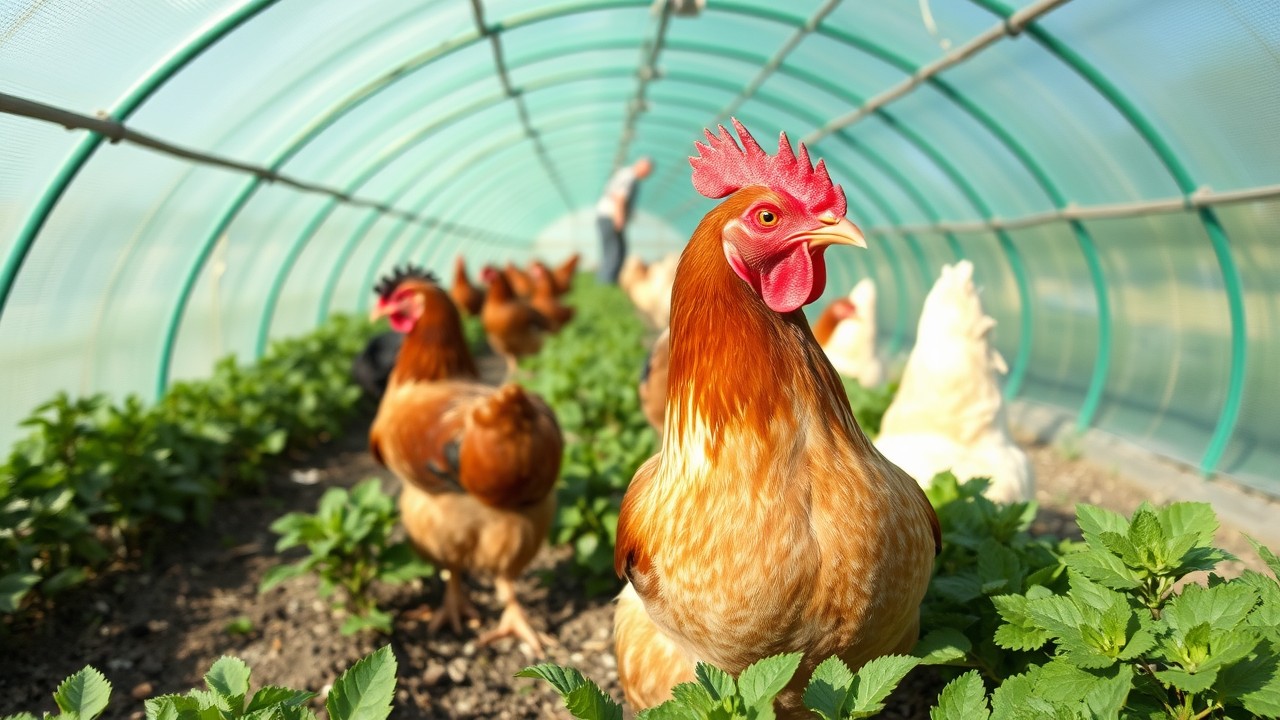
{"points": [[851, 348], [649, 286], [949, 413]]}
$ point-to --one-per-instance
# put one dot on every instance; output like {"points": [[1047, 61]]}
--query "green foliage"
{"points": [[869, 404], [93, 477], [589, 374], [834, 691], [1059, 629], [363, 692], [1120, 636], [987, 552], [349, 539]]}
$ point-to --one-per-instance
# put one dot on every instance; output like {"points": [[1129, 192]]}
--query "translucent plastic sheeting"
{"points": [[147, 267]]}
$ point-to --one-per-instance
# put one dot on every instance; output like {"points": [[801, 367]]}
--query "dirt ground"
{"points": [[156, 627]]}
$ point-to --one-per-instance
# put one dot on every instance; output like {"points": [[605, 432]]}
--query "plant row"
{"points": [[94, 476], [363, 692]]}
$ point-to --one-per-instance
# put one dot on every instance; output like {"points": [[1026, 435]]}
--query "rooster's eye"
{"points": [[767, 218]]}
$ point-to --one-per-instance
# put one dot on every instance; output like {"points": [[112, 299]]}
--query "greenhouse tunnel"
{"points": [[184, 180]]}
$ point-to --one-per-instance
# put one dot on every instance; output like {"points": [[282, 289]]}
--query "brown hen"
{"points": [[478, 464]]}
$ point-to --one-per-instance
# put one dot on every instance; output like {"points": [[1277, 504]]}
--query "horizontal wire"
{"points": [[1204, 197], [1009, 27], [116, 132]]}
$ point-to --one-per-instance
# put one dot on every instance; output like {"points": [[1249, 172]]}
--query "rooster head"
{"points": [[786, 213], [406, 295]]}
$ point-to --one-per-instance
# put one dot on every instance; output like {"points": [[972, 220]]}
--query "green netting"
{"points": [[125, 268]]}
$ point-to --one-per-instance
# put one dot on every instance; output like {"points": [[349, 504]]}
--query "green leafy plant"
{"points": [[1122, 637], [834, 691], [349, 539], [363, 692], [987, 551], [83, 696], [589, 374], [94, 478], [869, 404]]}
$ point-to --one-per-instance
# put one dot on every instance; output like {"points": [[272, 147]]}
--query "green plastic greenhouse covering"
{"points": [[184, 180]]}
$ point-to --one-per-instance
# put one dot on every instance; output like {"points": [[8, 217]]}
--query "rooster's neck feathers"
{"points": [[436, 348], [737, 365]]}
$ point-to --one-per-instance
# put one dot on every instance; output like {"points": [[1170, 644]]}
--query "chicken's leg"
{"points": [[514, 622], [455, 606]]}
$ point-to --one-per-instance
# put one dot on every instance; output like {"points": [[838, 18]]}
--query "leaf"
{"points": [[764, 679], [964, 698], [364, 692], [1255, 682], [588, 702], [401, 563], [717, 682], [374, 619], [564, 679], [1189, 518], [960, 588], [669, 710], [1188, 682], [13, 587], [278, 574], [1102, 567], [1094, 521], [274, 695], [1222, 607], [875, 680], [84, 695], [1020, 631], [693, 697], [1267, 556], [829, 689], [942, 646], [229, 678]]}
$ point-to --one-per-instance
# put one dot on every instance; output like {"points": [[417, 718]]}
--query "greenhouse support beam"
{"points": [[645, 72], [504, 77], [767, 68], [174, 62], [1202, 198], [1231, 281], [341, 109], [1010, 26]]}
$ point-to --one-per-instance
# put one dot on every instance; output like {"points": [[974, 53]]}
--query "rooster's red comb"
{"points": [[722, 168]]}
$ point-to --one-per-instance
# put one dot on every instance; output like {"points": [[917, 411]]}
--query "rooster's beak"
{"points": [[836, 231], [380, 310]]}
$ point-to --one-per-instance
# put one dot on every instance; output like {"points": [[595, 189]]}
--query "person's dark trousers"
{"points": [[613, 248]]}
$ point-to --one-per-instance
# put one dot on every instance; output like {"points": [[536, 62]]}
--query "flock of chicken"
{"points": [[767, 522]]}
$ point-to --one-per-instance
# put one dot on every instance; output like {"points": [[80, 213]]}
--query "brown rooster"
{"points": [[468, 297], [767, 523], [563, 274], [519, 280], [478, 463], [514, 327], [546, 298]]}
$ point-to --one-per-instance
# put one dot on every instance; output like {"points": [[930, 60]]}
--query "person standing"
{"points": [[613, 212]]}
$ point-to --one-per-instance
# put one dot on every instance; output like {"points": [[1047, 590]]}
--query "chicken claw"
{"points": [[514, 622], [455, 607]]}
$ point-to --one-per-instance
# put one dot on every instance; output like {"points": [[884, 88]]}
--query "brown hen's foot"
{"points": [[514, 623], [455, 607]]}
